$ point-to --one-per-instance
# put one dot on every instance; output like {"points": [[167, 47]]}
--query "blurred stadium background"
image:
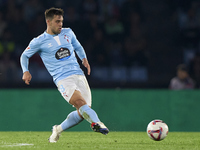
{"points": [[129, 43], [133, 47]]}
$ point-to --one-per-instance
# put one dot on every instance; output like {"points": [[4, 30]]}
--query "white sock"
{"points": [[59, 128]]}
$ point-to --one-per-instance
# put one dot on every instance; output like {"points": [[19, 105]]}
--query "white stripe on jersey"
{"points": [[57, 39]]}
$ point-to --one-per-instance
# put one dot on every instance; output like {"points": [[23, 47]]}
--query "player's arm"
{"points": [[80, 52], [86, 64], [24, 60]]}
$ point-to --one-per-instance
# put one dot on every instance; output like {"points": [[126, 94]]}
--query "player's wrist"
{"points": [[25, 72], [84, 60]]}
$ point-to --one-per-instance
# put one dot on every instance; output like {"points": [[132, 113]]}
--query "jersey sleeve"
{"points": [[32, 48], [78, 47]]}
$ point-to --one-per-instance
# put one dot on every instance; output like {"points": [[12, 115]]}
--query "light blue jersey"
{"points": [[57, 54]]}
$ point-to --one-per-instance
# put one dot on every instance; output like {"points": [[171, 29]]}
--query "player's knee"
{"points": [[78, 103]]}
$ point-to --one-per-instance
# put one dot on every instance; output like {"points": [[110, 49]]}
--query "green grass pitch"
{"points": [[97, 141]]}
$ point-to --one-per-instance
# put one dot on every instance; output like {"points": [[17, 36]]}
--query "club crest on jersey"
{"points": [[67, 38], [62, 54]]}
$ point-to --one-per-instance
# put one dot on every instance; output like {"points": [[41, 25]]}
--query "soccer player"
{"points": [[57, 47]]}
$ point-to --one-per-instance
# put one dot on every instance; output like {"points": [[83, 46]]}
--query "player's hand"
{"points": [[27, 77], [86, 64]]}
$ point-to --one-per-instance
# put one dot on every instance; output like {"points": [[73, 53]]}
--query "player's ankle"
{"points": [[59, 128]]}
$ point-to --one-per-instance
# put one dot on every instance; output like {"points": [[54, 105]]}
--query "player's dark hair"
{"points": [[49, 13]]}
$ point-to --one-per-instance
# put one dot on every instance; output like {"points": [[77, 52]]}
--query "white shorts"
{"points": [[68, 85]]}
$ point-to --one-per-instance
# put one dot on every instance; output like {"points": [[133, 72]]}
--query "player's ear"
{"points": [[48, 21]]}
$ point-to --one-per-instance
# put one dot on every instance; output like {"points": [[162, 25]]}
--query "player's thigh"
{"points": [[84, 88], [67, 87]]}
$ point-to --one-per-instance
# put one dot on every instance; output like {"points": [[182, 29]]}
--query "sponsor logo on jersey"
{"points": [[62, 54]]}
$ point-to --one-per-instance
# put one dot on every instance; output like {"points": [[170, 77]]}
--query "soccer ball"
{"points": [[157, 130]]}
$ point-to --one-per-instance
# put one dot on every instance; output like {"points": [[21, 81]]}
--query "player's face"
{"points": [[182, 74], [56, 24]]}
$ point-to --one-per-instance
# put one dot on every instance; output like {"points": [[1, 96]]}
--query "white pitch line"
{"points": [[17, 144]]}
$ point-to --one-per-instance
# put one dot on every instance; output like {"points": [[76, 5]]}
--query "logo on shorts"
{"points": [[64, 94], [62, 54]]}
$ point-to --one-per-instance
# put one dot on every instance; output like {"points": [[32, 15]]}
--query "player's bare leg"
{"points": [[87, 113], [72, 119], [76, 117]]}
